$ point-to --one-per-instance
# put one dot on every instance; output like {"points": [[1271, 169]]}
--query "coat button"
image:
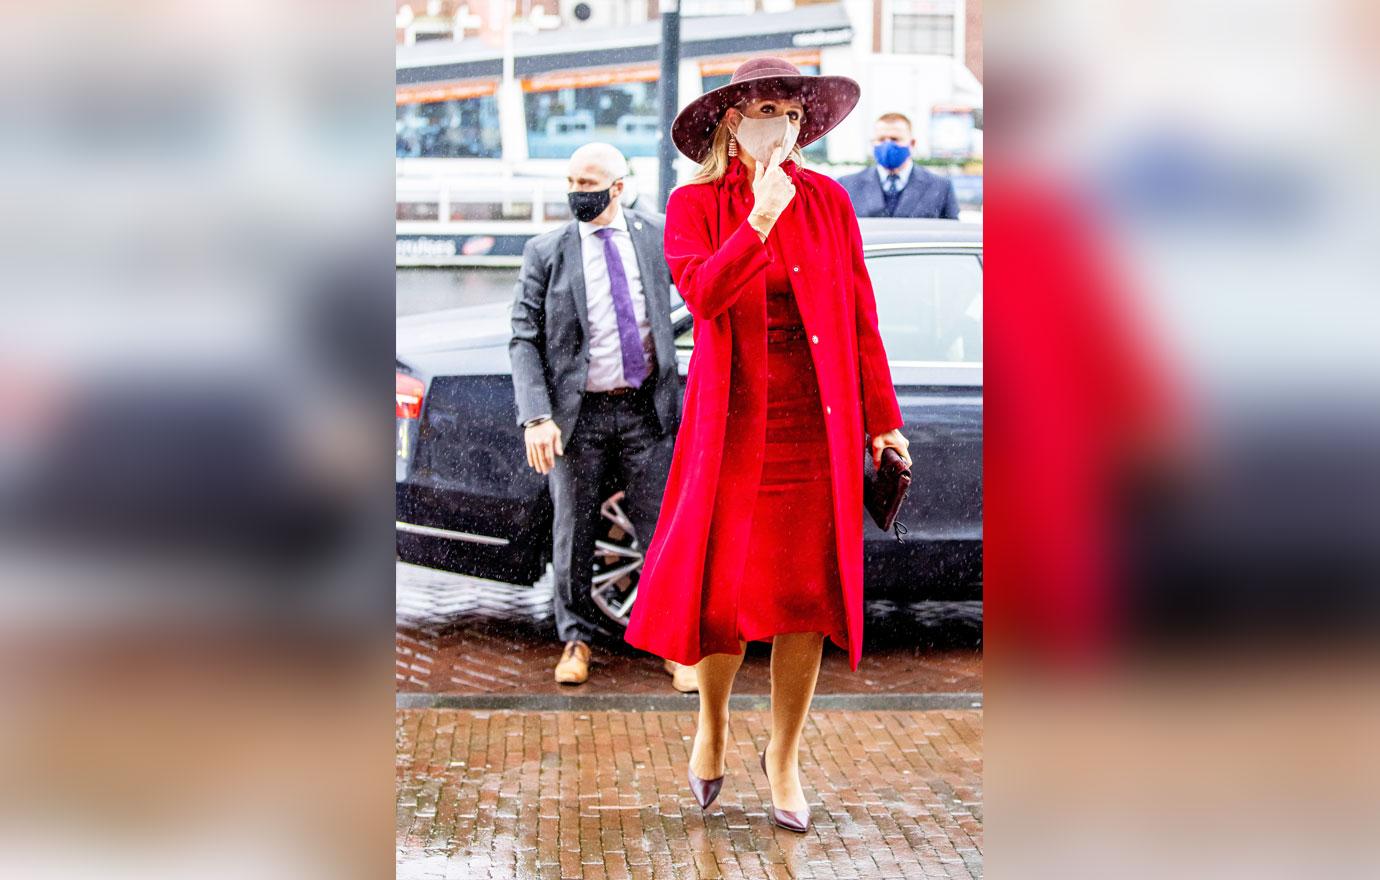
{"points": [[795, 268], [815, 340]]}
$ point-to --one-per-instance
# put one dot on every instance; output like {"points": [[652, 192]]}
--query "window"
{"points": [[490, 209], [922, 34], [556, 209], [929, 306], [622, 114], [427, 211], [693, 8], [466, 128], [685, 340]]}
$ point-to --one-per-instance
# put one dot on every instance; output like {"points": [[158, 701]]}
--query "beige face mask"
{"points": [[759, 137]]}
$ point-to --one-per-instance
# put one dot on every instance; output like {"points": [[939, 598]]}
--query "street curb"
{"points": [[682, 702]]}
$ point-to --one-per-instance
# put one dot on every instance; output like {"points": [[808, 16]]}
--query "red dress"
{"points": [[688, 597], [790, 581]]}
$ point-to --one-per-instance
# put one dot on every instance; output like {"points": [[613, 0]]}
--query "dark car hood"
{"points": [[472, 340], [470, 327]]}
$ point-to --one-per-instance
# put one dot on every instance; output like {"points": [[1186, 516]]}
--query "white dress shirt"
{"points": [[903, 175], [605, 351]]}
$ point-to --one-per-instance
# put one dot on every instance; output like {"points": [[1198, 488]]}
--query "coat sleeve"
{"points": [[950, 209], [709, 279], [881, 411], [527, 345]]}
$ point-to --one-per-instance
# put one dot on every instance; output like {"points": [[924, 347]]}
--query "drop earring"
{"points": [[732, 146]]}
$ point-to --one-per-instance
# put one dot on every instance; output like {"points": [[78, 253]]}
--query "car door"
{"points": [[929, 308], [465, 499]]}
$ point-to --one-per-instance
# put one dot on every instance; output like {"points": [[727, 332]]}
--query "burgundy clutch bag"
{"points": [[884, 488]]}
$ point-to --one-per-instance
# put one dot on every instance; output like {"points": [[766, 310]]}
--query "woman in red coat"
{"points": [[760, 531]]}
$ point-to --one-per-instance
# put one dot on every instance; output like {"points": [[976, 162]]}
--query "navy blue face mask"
{"points": [[890, 154]]}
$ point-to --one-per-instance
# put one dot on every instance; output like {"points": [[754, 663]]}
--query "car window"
{"points": [[929, 306], [685, 339]]}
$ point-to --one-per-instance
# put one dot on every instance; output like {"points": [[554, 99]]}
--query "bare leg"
{"points": [[716, 673], [795, 661]]}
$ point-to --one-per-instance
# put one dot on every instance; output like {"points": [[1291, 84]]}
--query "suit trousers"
{"points": [[617, 442]]}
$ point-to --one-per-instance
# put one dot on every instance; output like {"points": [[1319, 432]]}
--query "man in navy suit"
{"points": [[897, 187]]}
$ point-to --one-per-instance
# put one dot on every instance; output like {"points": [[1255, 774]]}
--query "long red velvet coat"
{"points": [[688, 594]]}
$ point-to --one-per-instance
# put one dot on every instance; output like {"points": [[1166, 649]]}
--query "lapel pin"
{"points": [[637, 224]]}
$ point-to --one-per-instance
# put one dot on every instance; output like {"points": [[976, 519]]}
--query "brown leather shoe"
{"points": [[683, 678], [574, 665]]}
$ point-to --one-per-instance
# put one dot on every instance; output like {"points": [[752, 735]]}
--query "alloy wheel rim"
{"points": [[617, 562]]}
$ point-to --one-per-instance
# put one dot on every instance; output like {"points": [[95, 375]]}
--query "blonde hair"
{"points": [[716, 163]]}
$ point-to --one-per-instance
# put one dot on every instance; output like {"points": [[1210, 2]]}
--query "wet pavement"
{"points": [[503, 773], [500, 794], [471, 638]]}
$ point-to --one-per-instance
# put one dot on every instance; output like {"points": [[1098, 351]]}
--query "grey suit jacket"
{"points": [[925, 194], [549, 348]]}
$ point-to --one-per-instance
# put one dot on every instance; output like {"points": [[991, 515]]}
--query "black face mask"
{"points": [[588, 205]]}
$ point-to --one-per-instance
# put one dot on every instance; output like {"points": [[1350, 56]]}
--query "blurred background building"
{"points": [[492, 97]]}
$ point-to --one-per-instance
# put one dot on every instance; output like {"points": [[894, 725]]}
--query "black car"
{"points": [[467, 500]]}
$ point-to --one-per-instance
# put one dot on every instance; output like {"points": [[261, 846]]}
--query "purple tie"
{"points": [[634, 358]]}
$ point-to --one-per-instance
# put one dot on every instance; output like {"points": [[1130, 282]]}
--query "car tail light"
{"points": [[408, 392]]}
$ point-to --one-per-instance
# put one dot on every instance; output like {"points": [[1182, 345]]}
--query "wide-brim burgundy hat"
{"points": [[827, 100]]}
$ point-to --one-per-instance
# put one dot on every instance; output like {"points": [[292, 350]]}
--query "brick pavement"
{"points": [[501, 794], [465, 636]]}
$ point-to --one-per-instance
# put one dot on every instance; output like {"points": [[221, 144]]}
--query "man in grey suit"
{"points": [[594, 372], [896, 186]]}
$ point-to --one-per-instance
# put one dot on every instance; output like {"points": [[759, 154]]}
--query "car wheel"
{"points": [[617, 562]]}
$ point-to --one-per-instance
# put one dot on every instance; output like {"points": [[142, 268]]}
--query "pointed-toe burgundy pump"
{"points": [[791, 820], [704, 790]]}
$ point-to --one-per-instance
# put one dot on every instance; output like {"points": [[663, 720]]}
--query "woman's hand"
{"points": [[896, 440], [772, 191]]}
